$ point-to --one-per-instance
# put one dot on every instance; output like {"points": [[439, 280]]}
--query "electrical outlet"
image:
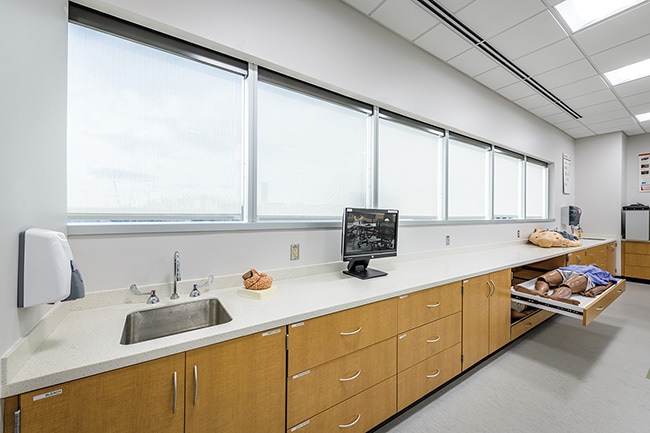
{"points": [[447, 240], [295, 252]]}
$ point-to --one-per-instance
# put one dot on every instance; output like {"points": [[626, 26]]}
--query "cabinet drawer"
{"points": [[641, 272], [422, 378], [640, 260], [636, 247], [427, 340], [358, 414], [603, 301], [315, 390], [527, 323], [322, 339], [425, 306]]}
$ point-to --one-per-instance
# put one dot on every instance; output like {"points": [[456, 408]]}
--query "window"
{"points": [[151, 134], [468, 175], [409, 167], [312, 152], [508, 185], [536, 189]]}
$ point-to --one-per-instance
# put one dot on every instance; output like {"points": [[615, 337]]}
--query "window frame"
{"points": [[253, 74]]}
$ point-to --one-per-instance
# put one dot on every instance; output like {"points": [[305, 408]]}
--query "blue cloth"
{"points": [[594, 273]]}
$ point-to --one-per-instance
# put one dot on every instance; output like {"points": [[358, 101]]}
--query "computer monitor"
{"points": [[368, 234]]}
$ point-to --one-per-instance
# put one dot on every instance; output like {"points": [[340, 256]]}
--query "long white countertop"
{"points": [[81, 338]]}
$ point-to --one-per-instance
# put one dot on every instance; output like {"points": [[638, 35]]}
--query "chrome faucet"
{"points": [[177, 273]]}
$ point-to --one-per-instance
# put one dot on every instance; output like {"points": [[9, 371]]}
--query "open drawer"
{"points": [[587, 310]]}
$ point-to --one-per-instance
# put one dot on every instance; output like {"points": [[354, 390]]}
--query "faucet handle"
{"points": [[195, 291], [153, 298]]}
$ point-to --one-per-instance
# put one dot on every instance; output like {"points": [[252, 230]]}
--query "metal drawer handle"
{"points": [[196, 384], [435, 340], [433, 305], [343, 334], [352, 423], [175, 392], [600, 308], [529, 324], [436, 374], [347, 379]]}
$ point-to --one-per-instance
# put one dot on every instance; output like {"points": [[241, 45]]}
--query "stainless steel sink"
{"points": [[174, 319]]}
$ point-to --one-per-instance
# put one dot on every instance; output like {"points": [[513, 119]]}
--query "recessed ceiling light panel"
{"points": [[579, 14], [643, 117], [628, 73]]}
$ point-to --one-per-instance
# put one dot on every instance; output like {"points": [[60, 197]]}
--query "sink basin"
{"points": [[173, 319]]}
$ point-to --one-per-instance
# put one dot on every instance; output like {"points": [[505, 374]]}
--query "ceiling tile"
{"points": [[365, 6], [497, 78], [488, 19], [443, 42], [623, 55], [404, 18], [516, 91], [533, 101], [454, 6], [622, 28], [637, 99], [633, 87], [601, 108], [531, 35], [546, 110], [579, 132], [579, 88], [612, 125], [558, 117], [604, 117], [640, 109], [590, 99], [566, 74], [472, 62], [550, 57]]}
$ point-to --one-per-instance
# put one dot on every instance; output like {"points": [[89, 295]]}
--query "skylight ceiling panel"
{"points": [[404, 18], [550, 57], [472, 62], [567, 74], [529, 36], [365, 6], [615, 31], [443, 42], [488, 19], [497, 78], [623, 55], [580, 88]]}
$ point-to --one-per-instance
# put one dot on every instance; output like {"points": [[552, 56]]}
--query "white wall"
{"points": [[33, 37], [324, 42], [636, 145]]}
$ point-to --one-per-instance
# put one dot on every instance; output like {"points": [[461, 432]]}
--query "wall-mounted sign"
{"points": [[644, 172], [566, 173]]}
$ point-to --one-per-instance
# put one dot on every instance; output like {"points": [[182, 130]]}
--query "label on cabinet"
{"points": [[47, 394]]}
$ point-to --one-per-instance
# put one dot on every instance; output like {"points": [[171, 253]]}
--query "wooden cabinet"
{"points": [[635, 259], [146, 397], [486, 315], [341, 369], [237, 385]]}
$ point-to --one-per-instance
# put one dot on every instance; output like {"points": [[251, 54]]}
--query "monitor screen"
{"points": [[368, 234]]}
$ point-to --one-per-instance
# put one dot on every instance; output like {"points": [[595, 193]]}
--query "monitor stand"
{"points": [[360, 269]]}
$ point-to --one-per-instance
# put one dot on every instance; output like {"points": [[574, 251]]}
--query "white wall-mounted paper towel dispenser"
{"points": [[46, 269]]}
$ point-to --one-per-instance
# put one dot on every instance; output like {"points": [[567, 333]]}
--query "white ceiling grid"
{"points": [[530, 34]]}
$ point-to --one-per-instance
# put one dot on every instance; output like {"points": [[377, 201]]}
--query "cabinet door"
{"points": [[486, 315], [147, 397], [237, 385], [499, 309], [476, 329], [611, 258]]}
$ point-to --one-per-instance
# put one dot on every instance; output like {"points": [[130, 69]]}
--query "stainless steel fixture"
{"points": [[173, 319], [177, 273], [153, 298]]}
